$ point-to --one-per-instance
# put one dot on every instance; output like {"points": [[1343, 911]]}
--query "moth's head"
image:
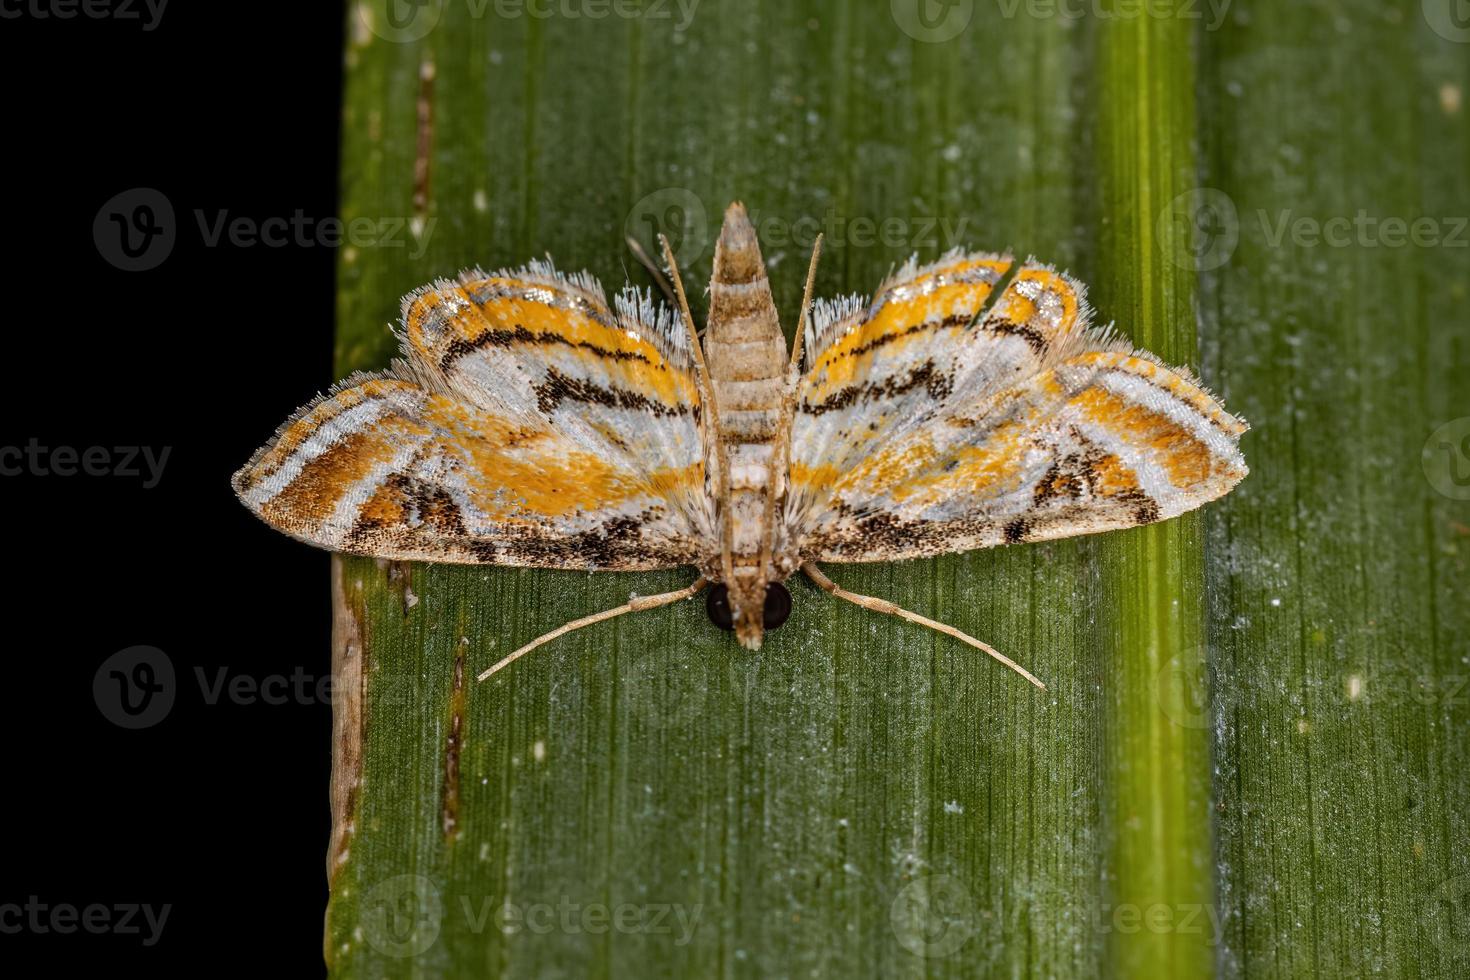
{"points": [[749, 605]]}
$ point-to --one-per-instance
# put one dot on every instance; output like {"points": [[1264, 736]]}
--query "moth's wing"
{"points": [[540, 347], [1050, 430], [573, 442], [875, 368]]}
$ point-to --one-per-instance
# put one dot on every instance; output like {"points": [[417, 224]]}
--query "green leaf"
{"points": [[1204, 788], [1339, 577]]}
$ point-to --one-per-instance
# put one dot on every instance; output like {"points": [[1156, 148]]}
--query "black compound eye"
{"points": [[717, 605], [778, 605]]}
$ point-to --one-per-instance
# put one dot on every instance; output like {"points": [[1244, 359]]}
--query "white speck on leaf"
{"points": [[1449, 98]]}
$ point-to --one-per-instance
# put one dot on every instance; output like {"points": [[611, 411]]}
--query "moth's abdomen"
{"points": [[746, 353]]}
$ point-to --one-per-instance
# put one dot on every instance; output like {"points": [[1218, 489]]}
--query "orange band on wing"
{"points": [[909, 314], [543, 325]]}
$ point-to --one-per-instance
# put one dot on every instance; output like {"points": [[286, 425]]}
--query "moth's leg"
{"points": [[781, 458], [637, 605], [712, 429], [884, 606], [653, 270]]}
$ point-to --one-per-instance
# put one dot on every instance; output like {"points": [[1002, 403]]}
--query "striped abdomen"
{"points": [[746, 354]]}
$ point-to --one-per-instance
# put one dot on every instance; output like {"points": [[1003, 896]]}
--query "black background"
{"points": [[219, 810]]}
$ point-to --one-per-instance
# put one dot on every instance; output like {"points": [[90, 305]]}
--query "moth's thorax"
{"points": [[746, 354]]}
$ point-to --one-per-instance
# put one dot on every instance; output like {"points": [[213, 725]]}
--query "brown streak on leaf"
{"points": [[400, 579], [348, 615], [425, 107], [449, 803]]}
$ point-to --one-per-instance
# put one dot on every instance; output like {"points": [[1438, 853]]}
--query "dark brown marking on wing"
{"points": [[1070, 476], [609, 546], [1027, 333], [558, 388], [1016, 530], [1145, 509], [925, 375], [1077, 476], [882, 340], [405, 503], [460, 346]]}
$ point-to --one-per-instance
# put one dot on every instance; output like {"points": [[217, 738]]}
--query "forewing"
{"points": [[1050, 430], [529, 425], [873, 368], [536, 346]]}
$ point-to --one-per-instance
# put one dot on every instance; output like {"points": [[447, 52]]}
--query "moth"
{"points": [[530, 424]]}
